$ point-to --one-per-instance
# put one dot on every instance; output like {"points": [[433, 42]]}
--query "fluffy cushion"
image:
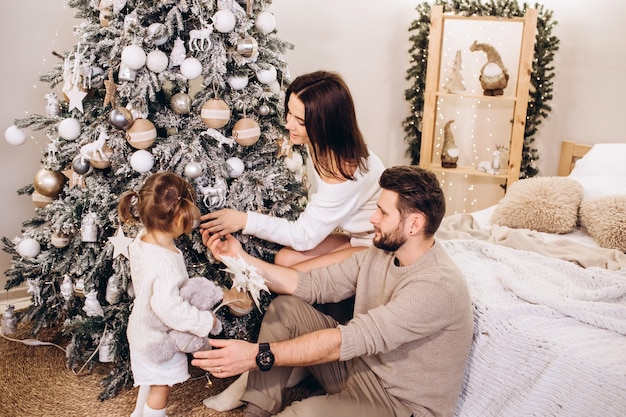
{"points": [[605, 220], [545, 204]]}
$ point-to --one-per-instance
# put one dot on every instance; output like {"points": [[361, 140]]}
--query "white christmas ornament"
{"points": [[69, 129], [157, 61], [28, 248], [237, 82], [92, 307], [193, 170], [142, 161], [265, 23], [67, 288], [89, 228], [15, 136], [134, 57], [224, 21], [266, 75], [120, 243], [191, 68], [236, 167], [153, 29]]}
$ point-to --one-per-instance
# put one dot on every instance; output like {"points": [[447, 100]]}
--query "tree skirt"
{"points": [[34, 381]]}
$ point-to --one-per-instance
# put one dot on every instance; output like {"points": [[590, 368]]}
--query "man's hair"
{"points": [[418, 191]]}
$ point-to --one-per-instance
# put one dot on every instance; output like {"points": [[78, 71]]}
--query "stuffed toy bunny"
{"points": [[202, 294]]}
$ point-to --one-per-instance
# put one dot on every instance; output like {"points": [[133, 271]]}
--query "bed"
{"points": [[547, 272]]}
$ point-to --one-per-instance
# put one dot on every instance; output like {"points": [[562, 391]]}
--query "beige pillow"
{"points": [[545, 204], [605, 220]]}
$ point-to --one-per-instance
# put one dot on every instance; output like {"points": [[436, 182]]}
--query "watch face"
{"points": [[265, 359]]}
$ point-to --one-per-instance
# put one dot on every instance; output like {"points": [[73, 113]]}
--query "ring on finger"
{"points": [[219, 369]]}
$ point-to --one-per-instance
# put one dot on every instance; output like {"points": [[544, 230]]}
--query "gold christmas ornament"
{"points": [[215, 113], [246, 132], [141, 134], [181, 103], [49, 183]]}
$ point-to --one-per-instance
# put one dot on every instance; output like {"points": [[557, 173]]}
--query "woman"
{"points": [[344, 181]]}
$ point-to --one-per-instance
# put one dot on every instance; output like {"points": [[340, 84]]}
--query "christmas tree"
{"points": [[190, 86]]}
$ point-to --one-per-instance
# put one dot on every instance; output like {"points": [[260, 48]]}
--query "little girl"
{"points": [[165, 205]]}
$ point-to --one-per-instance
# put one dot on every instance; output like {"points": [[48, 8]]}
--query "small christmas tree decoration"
{"points": [[134, 57], [454, 83], [121, 118], [92, 306], [266, 75], [125, 73], [40, 200], [142, 161], [34, 288], [238, 82], [75, 96], [181, 103], [67, 288], [113, 292], [53, 107], [101, 160], [191, 68], [193, 170], [224, 21], [157, 61], [105, 354], [215, 113], [248, 47], [245, 278], [9, 321], [69, 129], [246, 132], [15, 136], [59, 240], [89, 228], [80, 166], [265, 22], [111, 90], [284, 147], [154, 30], [141, 134], [48, 182], [264, 109], [235, 167], [120, 243], [76, 179], [28, 248]]}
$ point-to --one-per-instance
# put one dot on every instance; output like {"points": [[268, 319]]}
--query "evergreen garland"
{"points": [[541, 80]]}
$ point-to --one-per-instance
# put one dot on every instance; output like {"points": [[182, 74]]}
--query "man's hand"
{"points": [[231, 357]]}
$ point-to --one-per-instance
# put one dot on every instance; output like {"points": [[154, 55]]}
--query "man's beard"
{"points": [[390, 242]]}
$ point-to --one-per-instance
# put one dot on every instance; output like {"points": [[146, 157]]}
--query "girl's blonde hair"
{"points": [[163, 198]]}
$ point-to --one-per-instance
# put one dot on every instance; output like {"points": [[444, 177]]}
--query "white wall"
{"points": [[367, 42]]}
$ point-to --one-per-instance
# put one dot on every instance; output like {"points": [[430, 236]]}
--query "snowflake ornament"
{"points": [[245, 278]]}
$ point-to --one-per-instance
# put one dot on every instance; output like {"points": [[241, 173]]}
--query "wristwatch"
{"points": [[265, 357]]}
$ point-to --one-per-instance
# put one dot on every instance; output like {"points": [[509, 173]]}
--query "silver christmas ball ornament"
{"points": [[121, 118], [248, 47], [81, 166], [264, 109], [193, 170], [181, 103]]}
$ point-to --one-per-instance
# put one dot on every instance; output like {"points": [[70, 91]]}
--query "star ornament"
{"points": [[76, 180], [76, 96], [120, 243]]}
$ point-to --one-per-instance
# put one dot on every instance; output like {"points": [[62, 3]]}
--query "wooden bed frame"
{"points": [[570, 153]]}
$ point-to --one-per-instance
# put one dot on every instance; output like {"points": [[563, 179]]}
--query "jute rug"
{"points": [[35, 382]]}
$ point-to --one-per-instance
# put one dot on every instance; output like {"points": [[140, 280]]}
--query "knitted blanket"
{"points": [[550, 336]]}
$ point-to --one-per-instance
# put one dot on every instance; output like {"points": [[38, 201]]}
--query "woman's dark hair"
{"points": [[330, 121], [418, 191], [164, 197]]}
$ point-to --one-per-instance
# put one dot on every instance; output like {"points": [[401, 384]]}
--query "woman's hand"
{"points": [[221, 245], [224, 221], [232, 358]]}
